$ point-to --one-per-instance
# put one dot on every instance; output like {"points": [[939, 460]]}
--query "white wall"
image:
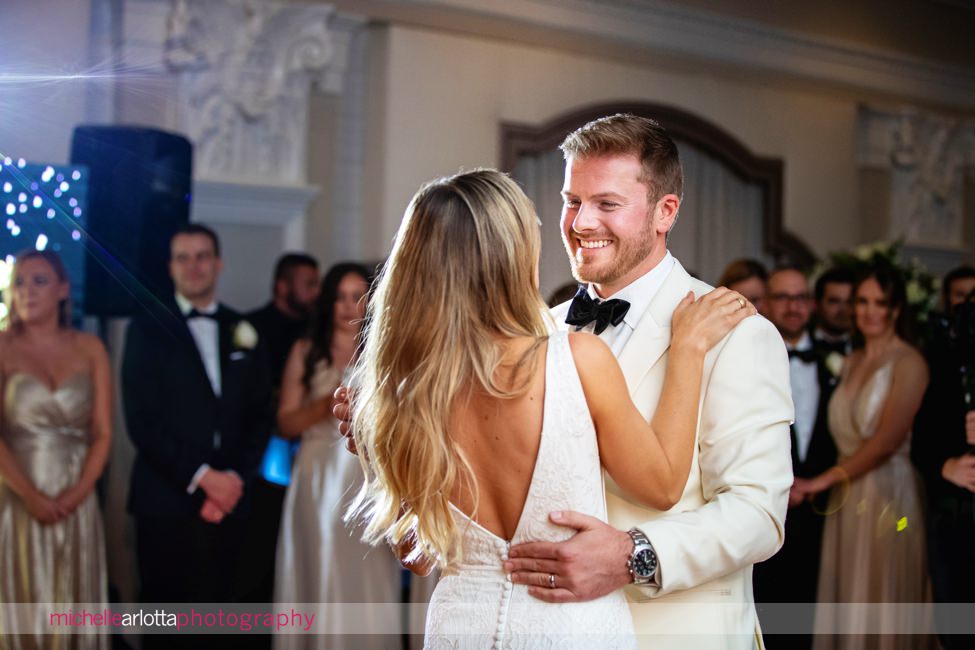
{"points": [[444, 96]]}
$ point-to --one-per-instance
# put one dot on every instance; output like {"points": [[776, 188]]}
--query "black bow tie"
{"points": [[806, 356], [196, 313], [585, 310]]}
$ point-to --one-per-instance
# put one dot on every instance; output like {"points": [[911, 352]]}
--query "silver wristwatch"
{"points": [[643, 560]]}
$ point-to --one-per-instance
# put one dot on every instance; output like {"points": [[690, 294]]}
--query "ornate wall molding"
{"points": [[279, 206], [246, 69], [927, 156], [236, 77]]}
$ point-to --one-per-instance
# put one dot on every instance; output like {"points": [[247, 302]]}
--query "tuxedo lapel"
{"points": [[651, 338], [225, 334], [796, 462]]}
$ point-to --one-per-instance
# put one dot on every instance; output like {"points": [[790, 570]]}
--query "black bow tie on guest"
{"points": [[195, 313], [585, 310], [806, 356]]}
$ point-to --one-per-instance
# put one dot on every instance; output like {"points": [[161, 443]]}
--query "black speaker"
{"points": [[139, 195]]}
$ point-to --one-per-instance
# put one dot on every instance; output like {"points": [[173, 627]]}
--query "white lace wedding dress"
{"points": [[474, 605]]}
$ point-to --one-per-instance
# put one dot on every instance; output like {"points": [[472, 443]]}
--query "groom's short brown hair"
{"points": [[642, 137]]}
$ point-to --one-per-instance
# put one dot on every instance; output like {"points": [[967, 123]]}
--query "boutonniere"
{"points": [[245, 336], [834, 363]]}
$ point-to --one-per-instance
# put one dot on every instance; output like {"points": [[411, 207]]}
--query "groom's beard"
{"points": [[628, 255]]}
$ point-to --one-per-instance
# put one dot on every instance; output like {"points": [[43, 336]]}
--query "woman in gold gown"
{"points": [[873, 541], [55, 430]]}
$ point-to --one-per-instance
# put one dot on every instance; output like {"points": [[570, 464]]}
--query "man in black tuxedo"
{"points": [[942, 454], [196, 395], [791, 576]]}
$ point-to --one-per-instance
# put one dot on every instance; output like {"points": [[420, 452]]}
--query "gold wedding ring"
{"points": [[741, 301]]}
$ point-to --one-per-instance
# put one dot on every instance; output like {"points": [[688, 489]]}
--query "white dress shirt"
{"points": [[638, 293], [805, 395], [206, 335]]}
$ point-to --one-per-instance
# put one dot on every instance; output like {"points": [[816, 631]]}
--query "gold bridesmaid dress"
{"points": [[873, 539], [60, 566]]}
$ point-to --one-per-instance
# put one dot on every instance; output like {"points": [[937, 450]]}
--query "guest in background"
{"points": [[873, 541], [320, 559], [792, 574], [55, 435], [279, 324], [942, 454], [197, 397], [747, 277], [834, 310], [957, 286], [285, 318]]}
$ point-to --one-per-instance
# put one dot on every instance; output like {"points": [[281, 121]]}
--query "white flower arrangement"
{"points": [[921, 287], [245, 336]]}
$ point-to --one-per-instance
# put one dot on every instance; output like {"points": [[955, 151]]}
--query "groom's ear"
{"points": [[665, 212]]}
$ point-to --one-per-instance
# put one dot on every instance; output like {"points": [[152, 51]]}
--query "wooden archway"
{"points": [[518, 140]]}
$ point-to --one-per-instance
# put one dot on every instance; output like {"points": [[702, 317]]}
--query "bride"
{"points": [[473, 423]]}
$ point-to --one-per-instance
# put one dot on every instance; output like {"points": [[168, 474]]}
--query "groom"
{"points": [[690, 585]]}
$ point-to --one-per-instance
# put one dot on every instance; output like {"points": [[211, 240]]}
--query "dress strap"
{"points": [[565, 401]]}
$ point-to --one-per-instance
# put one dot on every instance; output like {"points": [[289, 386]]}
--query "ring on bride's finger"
{"points": [[551, 581], [741, 301]]}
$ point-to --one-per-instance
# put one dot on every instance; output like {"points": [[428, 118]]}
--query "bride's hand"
{"points": [[703, 322], [322, 406], [342, 410], [422, 566]]}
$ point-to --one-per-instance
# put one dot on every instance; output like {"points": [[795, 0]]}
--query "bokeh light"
{"points": [[42, 209]]}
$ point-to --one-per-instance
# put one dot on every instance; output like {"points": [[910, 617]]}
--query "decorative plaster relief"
{"points": [[246, 69], [928, 156]]}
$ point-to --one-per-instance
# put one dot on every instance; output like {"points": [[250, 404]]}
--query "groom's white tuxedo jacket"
{"points": [[732, 512]]}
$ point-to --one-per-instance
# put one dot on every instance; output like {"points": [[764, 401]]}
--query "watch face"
{"points": [[645, 563]]}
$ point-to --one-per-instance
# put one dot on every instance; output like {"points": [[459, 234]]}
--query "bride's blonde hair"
{"points": [[462, 277]]}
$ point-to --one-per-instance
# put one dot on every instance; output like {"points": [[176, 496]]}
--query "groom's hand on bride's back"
{"points": [[590, 564]]}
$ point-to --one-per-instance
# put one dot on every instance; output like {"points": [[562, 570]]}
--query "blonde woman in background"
{"points": [[55, 435], [473, 424]]}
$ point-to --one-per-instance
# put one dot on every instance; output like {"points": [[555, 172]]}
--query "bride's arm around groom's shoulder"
{"points": [[745, 466]]}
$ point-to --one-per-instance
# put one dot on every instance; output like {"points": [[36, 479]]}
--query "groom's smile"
{"points": [[589, 252], [602, 243], [611, 231]]}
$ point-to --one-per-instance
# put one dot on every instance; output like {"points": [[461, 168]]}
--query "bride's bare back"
{"points": [[500, 439]]}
